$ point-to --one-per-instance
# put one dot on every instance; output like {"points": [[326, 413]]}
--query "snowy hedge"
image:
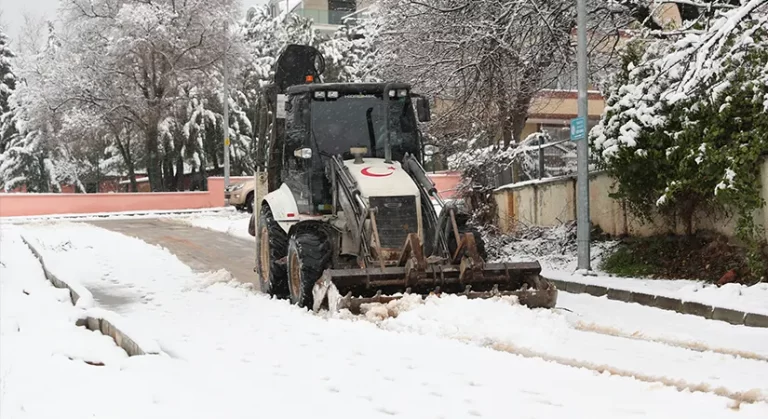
{"points": [[685, 125]]}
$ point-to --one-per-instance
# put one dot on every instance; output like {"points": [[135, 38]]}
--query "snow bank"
{"points": [[37, 323], [602, 315], [228, 344], [124, 334], [127, 215], [232, 223], [751, 299], [555, 248]]}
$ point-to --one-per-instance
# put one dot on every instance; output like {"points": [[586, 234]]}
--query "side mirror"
{"points": [[422, 109]]}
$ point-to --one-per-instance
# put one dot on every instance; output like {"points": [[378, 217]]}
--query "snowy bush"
{"points": [[685, 125]]}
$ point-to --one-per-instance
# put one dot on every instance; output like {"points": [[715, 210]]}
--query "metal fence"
{"points": [[549, 159]]}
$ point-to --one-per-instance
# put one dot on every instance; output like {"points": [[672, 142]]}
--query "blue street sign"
{"points": [[578, 129]]}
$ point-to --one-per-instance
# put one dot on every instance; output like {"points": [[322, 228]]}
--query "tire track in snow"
{"points": [[750, 396], [738, 397], [684, 344], [440, 319], [595, 328]]}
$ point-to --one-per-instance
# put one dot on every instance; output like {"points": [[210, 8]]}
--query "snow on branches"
{"points": [[685, 125]]}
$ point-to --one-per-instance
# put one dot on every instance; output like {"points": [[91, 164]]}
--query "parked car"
{"points": [[240, 195]]}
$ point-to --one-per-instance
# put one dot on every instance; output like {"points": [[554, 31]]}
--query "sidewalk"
{"points": [[686, 297]]}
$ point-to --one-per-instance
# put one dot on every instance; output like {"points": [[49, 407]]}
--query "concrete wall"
{"points": [[552, 202], [553, 104], [32, 204]]}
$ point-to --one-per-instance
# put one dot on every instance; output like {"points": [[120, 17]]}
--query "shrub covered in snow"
{"points": [[685, 125]]}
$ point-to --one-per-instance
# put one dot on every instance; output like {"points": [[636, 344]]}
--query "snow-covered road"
{"points": [[235, 353]]}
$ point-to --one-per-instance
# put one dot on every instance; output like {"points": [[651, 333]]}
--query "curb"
{"points": [[735, 317], [120, 215], [97, 319]]}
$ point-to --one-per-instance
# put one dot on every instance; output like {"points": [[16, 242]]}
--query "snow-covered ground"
{"points": [[213, 213], [42, 351], [234, 223], [555, 249], [231, 222], [552, 335], [235, 353]]}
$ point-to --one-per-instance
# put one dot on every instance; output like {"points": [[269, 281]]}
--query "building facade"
{"points": [[327, 15]]}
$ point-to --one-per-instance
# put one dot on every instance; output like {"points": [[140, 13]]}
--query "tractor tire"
{"points": [[452, 245], [273, 248], [309, 254]]}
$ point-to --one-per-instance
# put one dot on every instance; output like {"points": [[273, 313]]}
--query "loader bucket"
{"points": [[468, 276]]}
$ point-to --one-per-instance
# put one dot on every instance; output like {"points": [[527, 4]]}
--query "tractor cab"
{"points": [[360, 120]]}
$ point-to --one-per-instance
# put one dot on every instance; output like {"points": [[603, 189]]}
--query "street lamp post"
{"points": [[582, 211], [226, 111]]}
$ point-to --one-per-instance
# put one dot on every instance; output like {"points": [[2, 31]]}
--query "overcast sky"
{"points": [[13, 10]]}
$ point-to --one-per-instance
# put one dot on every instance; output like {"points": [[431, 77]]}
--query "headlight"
{"points": [[237, 187], [402, 93], [333, 94], [319, 95]]}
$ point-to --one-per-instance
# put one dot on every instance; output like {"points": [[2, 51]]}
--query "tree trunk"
{"points": [[169, 177], [153, 160], [168, 174], [132, 177], [44, 185], [178, 180], [519, 116], [506, 123], [125, 152]]}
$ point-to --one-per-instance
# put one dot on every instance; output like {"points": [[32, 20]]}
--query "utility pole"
{"points": [[582, 209], [226, 109]]}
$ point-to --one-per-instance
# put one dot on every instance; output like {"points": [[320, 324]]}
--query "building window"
{"points": [[337, 9]]}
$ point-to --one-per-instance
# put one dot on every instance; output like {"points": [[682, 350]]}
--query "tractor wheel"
{"points": [[452, 245], [309, 254], [273, 244]]}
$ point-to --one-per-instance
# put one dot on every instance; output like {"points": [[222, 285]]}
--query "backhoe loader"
{"points": [[347, 218]]}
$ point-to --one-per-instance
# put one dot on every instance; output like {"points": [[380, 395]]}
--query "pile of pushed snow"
{"points": [[232, 223], [554, 247]]}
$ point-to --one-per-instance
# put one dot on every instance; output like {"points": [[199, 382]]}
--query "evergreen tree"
{"points": [[7, 86]]}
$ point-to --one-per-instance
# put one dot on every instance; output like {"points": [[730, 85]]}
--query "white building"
{"points": [[327, 15]]}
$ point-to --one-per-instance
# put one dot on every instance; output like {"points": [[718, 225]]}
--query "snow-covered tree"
{"points": [[7, 86], [265, 38], [487, 59], [351, 55], [26, 158], [132, 58], [685, 125]]}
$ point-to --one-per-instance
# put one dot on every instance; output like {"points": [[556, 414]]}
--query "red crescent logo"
{"points": [[367, 172]]}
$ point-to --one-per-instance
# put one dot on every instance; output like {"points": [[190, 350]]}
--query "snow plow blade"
{"points": [[351, 288]]}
